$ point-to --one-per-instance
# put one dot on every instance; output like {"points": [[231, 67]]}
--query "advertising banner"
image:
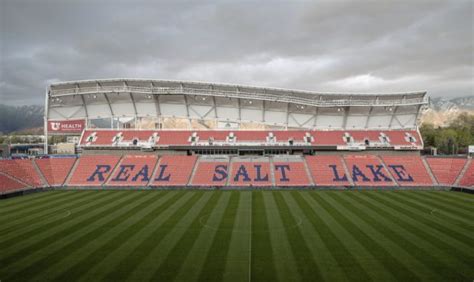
{"points": [[66, 126]]}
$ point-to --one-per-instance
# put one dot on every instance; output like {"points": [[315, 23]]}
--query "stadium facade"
{"points": [[307, 139]]}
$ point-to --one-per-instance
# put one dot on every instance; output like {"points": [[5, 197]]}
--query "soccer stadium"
{"points": [[187, 181]]}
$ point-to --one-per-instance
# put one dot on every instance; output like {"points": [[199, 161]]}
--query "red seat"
{"points": [[173, 170], [93, 170], [329, 138], [23, 170], [468, 177], [446, 170], [250, 174], [8, 184], [210, 173], [133, 170], [327, 170], [367, 170], [408, 170], [55, 170], [178, 137], [290, 174], [398, 137]]}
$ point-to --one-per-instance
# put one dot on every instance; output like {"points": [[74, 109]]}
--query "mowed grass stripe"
{"points": [[15, 204], [339, 263], [462, 250], [237, 265], [460, 196], [168, 270], [214, 264], [449, 212], [405, 252], [355, 241], [435, 251], [159, 251], [129, 263], [441, 197], [67, 247], [285, 262], [384, 250], [43, 213], [191, 266], [43, 229], [308, 268], [263, 266], [32, 209], [171, 261], [438, 222], [112, 258], [96, 243], [31, 255]]}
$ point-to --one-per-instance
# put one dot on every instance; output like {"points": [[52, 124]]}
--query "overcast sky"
{"points": [[333, 46]]}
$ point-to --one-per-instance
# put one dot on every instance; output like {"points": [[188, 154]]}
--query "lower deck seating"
{"points": [[249, 173], [367, 170], [133, 170], [290, 174], [93, 170], [446, 170], [467, 179], [55, 170], [408, 170], [8, 184], [211, 172], [173, 170], [22, 169], [327, 170]]}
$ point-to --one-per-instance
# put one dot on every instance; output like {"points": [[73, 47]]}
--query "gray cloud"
{"points": [[370, 46]]}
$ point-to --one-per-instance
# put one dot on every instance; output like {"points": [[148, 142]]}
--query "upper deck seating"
{"points": [[171, 137], [93, 170], [367, 170], [55, 170], [446, 170], [173, 170], [211, 172], [404, 137], [408, 170], [133, 170], [8, 184], [468, 177], [328, 138], [327, 170], [22, 169]]}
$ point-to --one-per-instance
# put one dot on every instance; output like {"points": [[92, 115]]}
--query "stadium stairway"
{"points": [[446, 170], [211, 171], [11, 184], [54, 171], [408, 170], [173, 170], [434, 180], [466, 177], [368, 170], [133, 170]]}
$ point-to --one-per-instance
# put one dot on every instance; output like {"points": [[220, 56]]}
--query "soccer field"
{"points": [[238, 236]]}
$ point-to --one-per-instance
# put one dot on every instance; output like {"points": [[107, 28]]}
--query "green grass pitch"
{"points": [[238, 236]]}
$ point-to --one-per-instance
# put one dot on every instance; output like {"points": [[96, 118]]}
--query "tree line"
{"points": [[452, 139]]}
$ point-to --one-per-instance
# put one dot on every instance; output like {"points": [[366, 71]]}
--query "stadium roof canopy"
{"points": [[117, 98]]}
